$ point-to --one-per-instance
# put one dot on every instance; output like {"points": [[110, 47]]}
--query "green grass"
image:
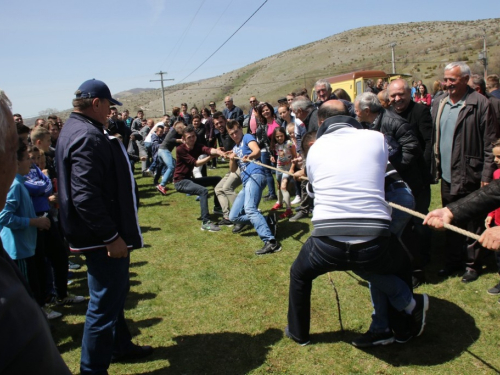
{"points": [[210, 306]]}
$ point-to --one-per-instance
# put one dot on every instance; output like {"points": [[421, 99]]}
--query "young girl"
{"points": [[285, 151], [493, 218], [290, 128]]}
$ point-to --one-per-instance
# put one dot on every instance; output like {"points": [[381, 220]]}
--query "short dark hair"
{"points": [[140, 111], [188, 129], [21, 149], [22, 129], [196, 116], [306, 139], [218, 114], [231, 123], [113, 108]]}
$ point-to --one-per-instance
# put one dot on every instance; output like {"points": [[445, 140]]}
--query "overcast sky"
{"points": [[49, 48]]}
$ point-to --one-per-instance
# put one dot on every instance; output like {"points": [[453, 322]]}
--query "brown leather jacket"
{"points": [[475, 131]]}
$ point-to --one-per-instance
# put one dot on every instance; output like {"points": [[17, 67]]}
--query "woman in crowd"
{"points": [[422, 96]]}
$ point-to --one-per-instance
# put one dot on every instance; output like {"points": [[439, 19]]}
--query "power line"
{"points": [[217, 50]]}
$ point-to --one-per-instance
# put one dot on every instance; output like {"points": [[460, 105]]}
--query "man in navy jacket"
{"points": [[99, 219]]}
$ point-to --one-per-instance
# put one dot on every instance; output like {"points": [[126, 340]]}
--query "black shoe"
{"points": [[290, 336], [299, 215], [272, 222], [448, 271], [238, 228], [370, 338], [270, 198], [225, 222], [402, 337], [419, 314], [269, 248], [136, 352], [495, 291], [470, 275], [417, 278]]}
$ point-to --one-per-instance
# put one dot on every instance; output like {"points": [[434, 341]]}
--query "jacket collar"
{"points": [[335, 123]]}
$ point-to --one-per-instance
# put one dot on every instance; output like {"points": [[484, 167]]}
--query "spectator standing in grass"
{"points": [[98, 211]]}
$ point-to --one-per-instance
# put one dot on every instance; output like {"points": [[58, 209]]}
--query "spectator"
{"points": [[232, 112], [493, 85], [422, 96]]}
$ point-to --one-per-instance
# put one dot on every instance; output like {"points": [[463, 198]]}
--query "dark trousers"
{"points": [[306, 202], [319, 255], [105, 332], [457, 244], [197, 186], [49, 244]]}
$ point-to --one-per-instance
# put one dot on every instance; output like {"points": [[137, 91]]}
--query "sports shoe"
{"points": [[417, 278], [286, 214], [69, 300], [296, 200], [370, 338], [270, 198], [211, 227], [419, 314], [147, 173], [73, 266], [299, 215], [238, 228], [272, 222], [470, 275], [290, 336], [225, 222], [272, 246], [197, 198], [495, 290], [276, 206], [161, 189], [218, 210], [51, 314]]}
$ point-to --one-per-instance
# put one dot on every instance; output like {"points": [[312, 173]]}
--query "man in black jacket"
{"points": [[419, 117], [98, 214]]}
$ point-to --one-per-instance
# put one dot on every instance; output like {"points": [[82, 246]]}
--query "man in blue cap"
{"points": [[99, 219]]}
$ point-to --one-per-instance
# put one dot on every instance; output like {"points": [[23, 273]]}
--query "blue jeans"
{"points": [[105, 332], [169, 161], [378, 260], [265, 158], [400, 219], [197, 186], [245, 207]]}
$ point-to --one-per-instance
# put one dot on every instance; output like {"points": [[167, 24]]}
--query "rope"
{"points": [[453, 228], [338, 301]]}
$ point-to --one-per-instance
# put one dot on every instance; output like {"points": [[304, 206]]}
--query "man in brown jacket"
{"points": [[464, 127]]}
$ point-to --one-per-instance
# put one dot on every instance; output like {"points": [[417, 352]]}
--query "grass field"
{"points": [[210, 306]]}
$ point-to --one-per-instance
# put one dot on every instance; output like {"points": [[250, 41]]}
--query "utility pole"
{"points": [[483, 57], [392, 45], [162, 90]]}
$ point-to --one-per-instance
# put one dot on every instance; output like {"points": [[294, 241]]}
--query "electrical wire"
{"points": [[227, 40]]}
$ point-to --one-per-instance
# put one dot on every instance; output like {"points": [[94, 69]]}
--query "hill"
{"points": [[422, 50]]}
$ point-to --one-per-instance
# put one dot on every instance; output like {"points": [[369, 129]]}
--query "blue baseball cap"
{"points": [[94, 88]]}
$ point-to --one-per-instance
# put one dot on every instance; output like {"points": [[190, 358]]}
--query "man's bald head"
{"points": [[331, 108], [8, 148]]}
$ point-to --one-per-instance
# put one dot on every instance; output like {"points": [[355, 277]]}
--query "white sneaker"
{"points": [[51, 314], [296, 200], [70, 299]]}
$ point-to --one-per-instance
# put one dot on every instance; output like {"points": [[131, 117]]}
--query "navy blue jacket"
{"points": [[97, 191]]}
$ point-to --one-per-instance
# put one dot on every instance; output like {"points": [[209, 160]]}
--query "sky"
{"points": [[49, 48]]}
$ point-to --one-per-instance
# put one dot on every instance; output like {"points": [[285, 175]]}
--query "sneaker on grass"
{"points": [[161, 189], [211, 227], [370, 338], [270, 247], [296, 200], [51, 314], [73, 266], [225, 222], [290, 336], [69, 300], [419, 314], [495, 291]]}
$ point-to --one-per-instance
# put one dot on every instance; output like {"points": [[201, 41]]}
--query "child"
{"points": [[493, 218], [290, 128], [19, 225], [285, 151]]}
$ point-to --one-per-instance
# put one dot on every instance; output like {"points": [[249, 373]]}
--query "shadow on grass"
{"points": [[150, 229], [217, 353], [449, 332], [138, 264], [62, 331]]}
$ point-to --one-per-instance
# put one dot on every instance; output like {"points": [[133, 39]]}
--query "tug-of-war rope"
{"points": [[394, 205]]}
